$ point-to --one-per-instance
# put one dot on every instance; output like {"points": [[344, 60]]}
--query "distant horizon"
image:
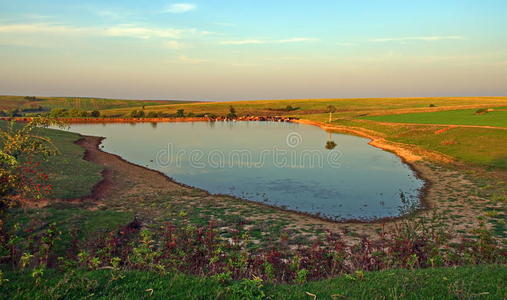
{"points": [[246, 100], [241, 50]]}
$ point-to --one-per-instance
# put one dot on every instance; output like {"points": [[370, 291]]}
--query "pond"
{"points": [[293, 166]]}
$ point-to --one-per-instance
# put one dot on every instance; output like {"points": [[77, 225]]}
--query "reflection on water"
{"points": [[294, 166]]}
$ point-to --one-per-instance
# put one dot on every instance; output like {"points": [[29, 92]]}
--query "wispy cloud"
{"points": [[418, 38], [259, 42], [179, 8], [143, 32], [122, 30], [174, 45], [42, 28]]}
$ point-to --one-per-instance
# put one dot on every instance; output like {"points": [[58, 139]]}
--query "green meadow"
{"points": [[497, 118], [476, 150]]}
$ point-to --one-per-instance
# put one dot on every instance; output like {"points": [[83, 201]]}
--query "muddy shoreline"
{"points": [[92, 146]]}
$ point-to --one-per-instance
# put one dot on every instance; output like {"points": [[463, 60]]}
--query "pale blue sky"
{"points": [[234, 50]]}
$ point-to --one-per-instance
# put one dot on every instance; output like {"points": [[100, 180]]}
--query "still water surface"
{"points": [[281, 164]]}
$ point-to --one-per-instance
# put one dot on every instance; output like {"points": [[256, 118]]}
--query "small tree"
{"points": [[137, 114], [152, 114], [232, 112], [180, 113], [21, 147], [331, 109], [95, 113], [58, 113]]}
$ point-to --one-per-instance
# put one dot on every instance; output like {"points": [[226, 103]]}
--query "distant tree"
{"points": [[95, 114], [152, 114], [331, 109], [232, 112], [481, 111], [84, 114], [31, 98], [433, 105], [58, 113], [137, 114], [3, 113], [180, 113], [74, 113], [15, 113]]}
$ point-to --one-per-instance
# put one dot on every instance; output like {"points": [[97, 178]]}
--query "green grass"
{"points": [[69, 173], [476, 146], [451, 117], [48, 103], [67, 218], [474, 282], [311, 106]]}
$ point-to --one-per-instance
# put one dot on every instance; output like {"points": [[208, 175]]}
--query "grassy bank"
{"points": [[474, 282], [70, 175], [81, 103], [496, 118]]}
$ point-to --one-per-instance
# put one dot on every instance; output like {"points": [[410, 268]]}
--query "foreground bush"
{"points": [[201, 251]]}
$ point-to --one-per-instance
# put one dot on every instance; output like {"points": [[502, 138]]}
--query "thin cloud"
{"points": [[259, 42], [174, 45], [43, 28], [179, 8], [143, 33], [418, 38], [124, 30]]}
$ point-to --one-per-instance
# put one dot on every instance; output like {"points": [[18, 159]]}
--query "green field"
{"points": [[81, 103], [478, 146], [496, 118], [345, 107], [472, 146], [474, 282]]}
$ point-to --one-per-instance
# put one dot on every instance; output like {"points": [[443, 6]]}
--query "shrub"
{"points": [[95, 113], [481, 111], [232, 112], [152, 114], [180, 113], [137, 114], [58, 113]]}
